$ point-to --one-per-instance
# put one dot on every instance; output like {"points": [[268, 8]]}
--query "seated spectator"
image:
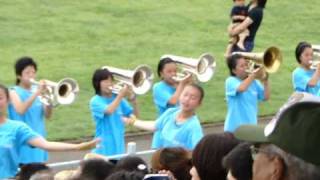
{"points": [[132, 163], [288, 147], [238, 163], [177, 160], [208, 154], [27, 170], [94, 169]]}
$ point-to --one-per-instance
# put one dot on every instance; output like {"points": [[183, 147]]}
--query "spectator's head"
{"points": [[42, 175], [27, 170], [238, 162], [25, 68], [289, 144], [102, 81], [167, 68], [95, 169], [208, 154], [132, 163], [126, 175], [304, 53], [174, 159], [237, 66]]}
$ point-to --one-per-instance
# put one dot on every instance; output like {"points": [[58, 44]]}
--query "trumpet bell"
{"points": [[203, 67], [66, 91]]}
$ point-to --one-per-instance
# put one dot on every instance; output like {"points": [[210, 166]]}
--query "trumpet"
{"points": [[270, 60], [139, 80], [63, 92], [315, 56], [203, 67]]}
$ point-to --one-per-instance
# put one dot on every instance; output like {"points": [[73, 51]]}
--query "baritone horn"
{"points": [[315, 56], [139, 80], [63, 92], [270, 60], [203, 67]]}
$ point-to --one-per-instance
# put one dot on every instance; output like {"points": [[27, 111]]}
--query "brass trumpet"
{"points": [[316, 56], [270, 60], [63, 92], [140, 79], [203, 67]]}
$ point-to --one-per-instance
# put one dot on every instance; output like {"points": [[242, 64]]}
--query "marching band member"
{"points": [[304, 78], [26, 107], [243, 92], [107, 109], [15, 134], [178, 126]]}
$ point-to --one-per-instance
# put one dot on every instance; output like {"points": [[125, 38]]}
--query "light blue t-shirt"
{"points": [[34, 118], [13, 135], [109, 127], [173, 134], [300, 80], [162, 93], [242, 106]]}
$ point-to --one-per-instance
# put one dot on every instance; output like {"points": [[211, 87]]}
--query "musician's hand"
{"points": [[128, 120], [124, 91], [187, 80], [88, 145]]}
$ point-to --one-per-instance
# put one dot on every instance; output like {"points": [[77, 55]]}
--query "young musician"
{"points": [[166, 92], [107, 109], [26, 107], [304, 78], [243, 92], [178, 126], [252, 23], [15, 134]]}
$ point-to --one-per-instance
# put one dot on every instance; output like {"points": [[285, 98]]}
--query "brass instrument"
{"points": [[140, 79], [270, 60], [203, 67], [316, 56], [63, 92]]}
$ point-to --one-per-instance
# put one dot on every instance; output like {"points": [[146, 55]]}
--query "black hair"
{"points": [[126, 175], [300, 48], [5, 89], [232, 62], [27, 170], [132, 163], [21, 64], [98, 76], [95, 169], [262, 3], [239, 162], [199, 88], [162, 63]]}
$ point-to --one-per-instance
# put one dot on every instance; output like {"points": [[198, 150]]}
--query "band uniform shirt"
{"points": [[109, 127], [13, 135], [162, 93], [256, 15], [242, 106], [34, 118], [300, 80], [174, 134]]}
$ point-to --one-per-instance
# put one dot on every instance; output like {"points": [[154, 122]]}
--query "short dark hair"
{"points": [[21, 64], [27, 170], [300, 49], [262, 3], [232, 62], [132, 163], [95, 169], [207, 155], [239, 161], [162, 63], [126, 175], [98, 76]]}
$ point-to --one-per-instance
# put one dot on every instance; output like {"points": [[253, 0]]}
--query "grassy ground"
{"points": [[73, 38]]}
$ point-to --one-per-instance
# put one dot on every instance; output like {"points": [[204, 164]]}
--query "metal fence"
{"points": [[131, 150]]}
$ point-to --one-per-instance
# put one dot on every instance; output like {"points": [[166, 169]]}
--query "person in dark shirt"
{"points": [[238, 14], [252, 22]]}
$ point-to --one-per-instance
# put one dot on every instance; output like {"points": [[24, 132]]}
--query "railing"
{"points": [[131, 150]]}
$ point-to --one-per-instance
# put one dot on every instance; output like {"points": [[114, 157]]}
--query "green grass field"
{"points": [[73, 38]]}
